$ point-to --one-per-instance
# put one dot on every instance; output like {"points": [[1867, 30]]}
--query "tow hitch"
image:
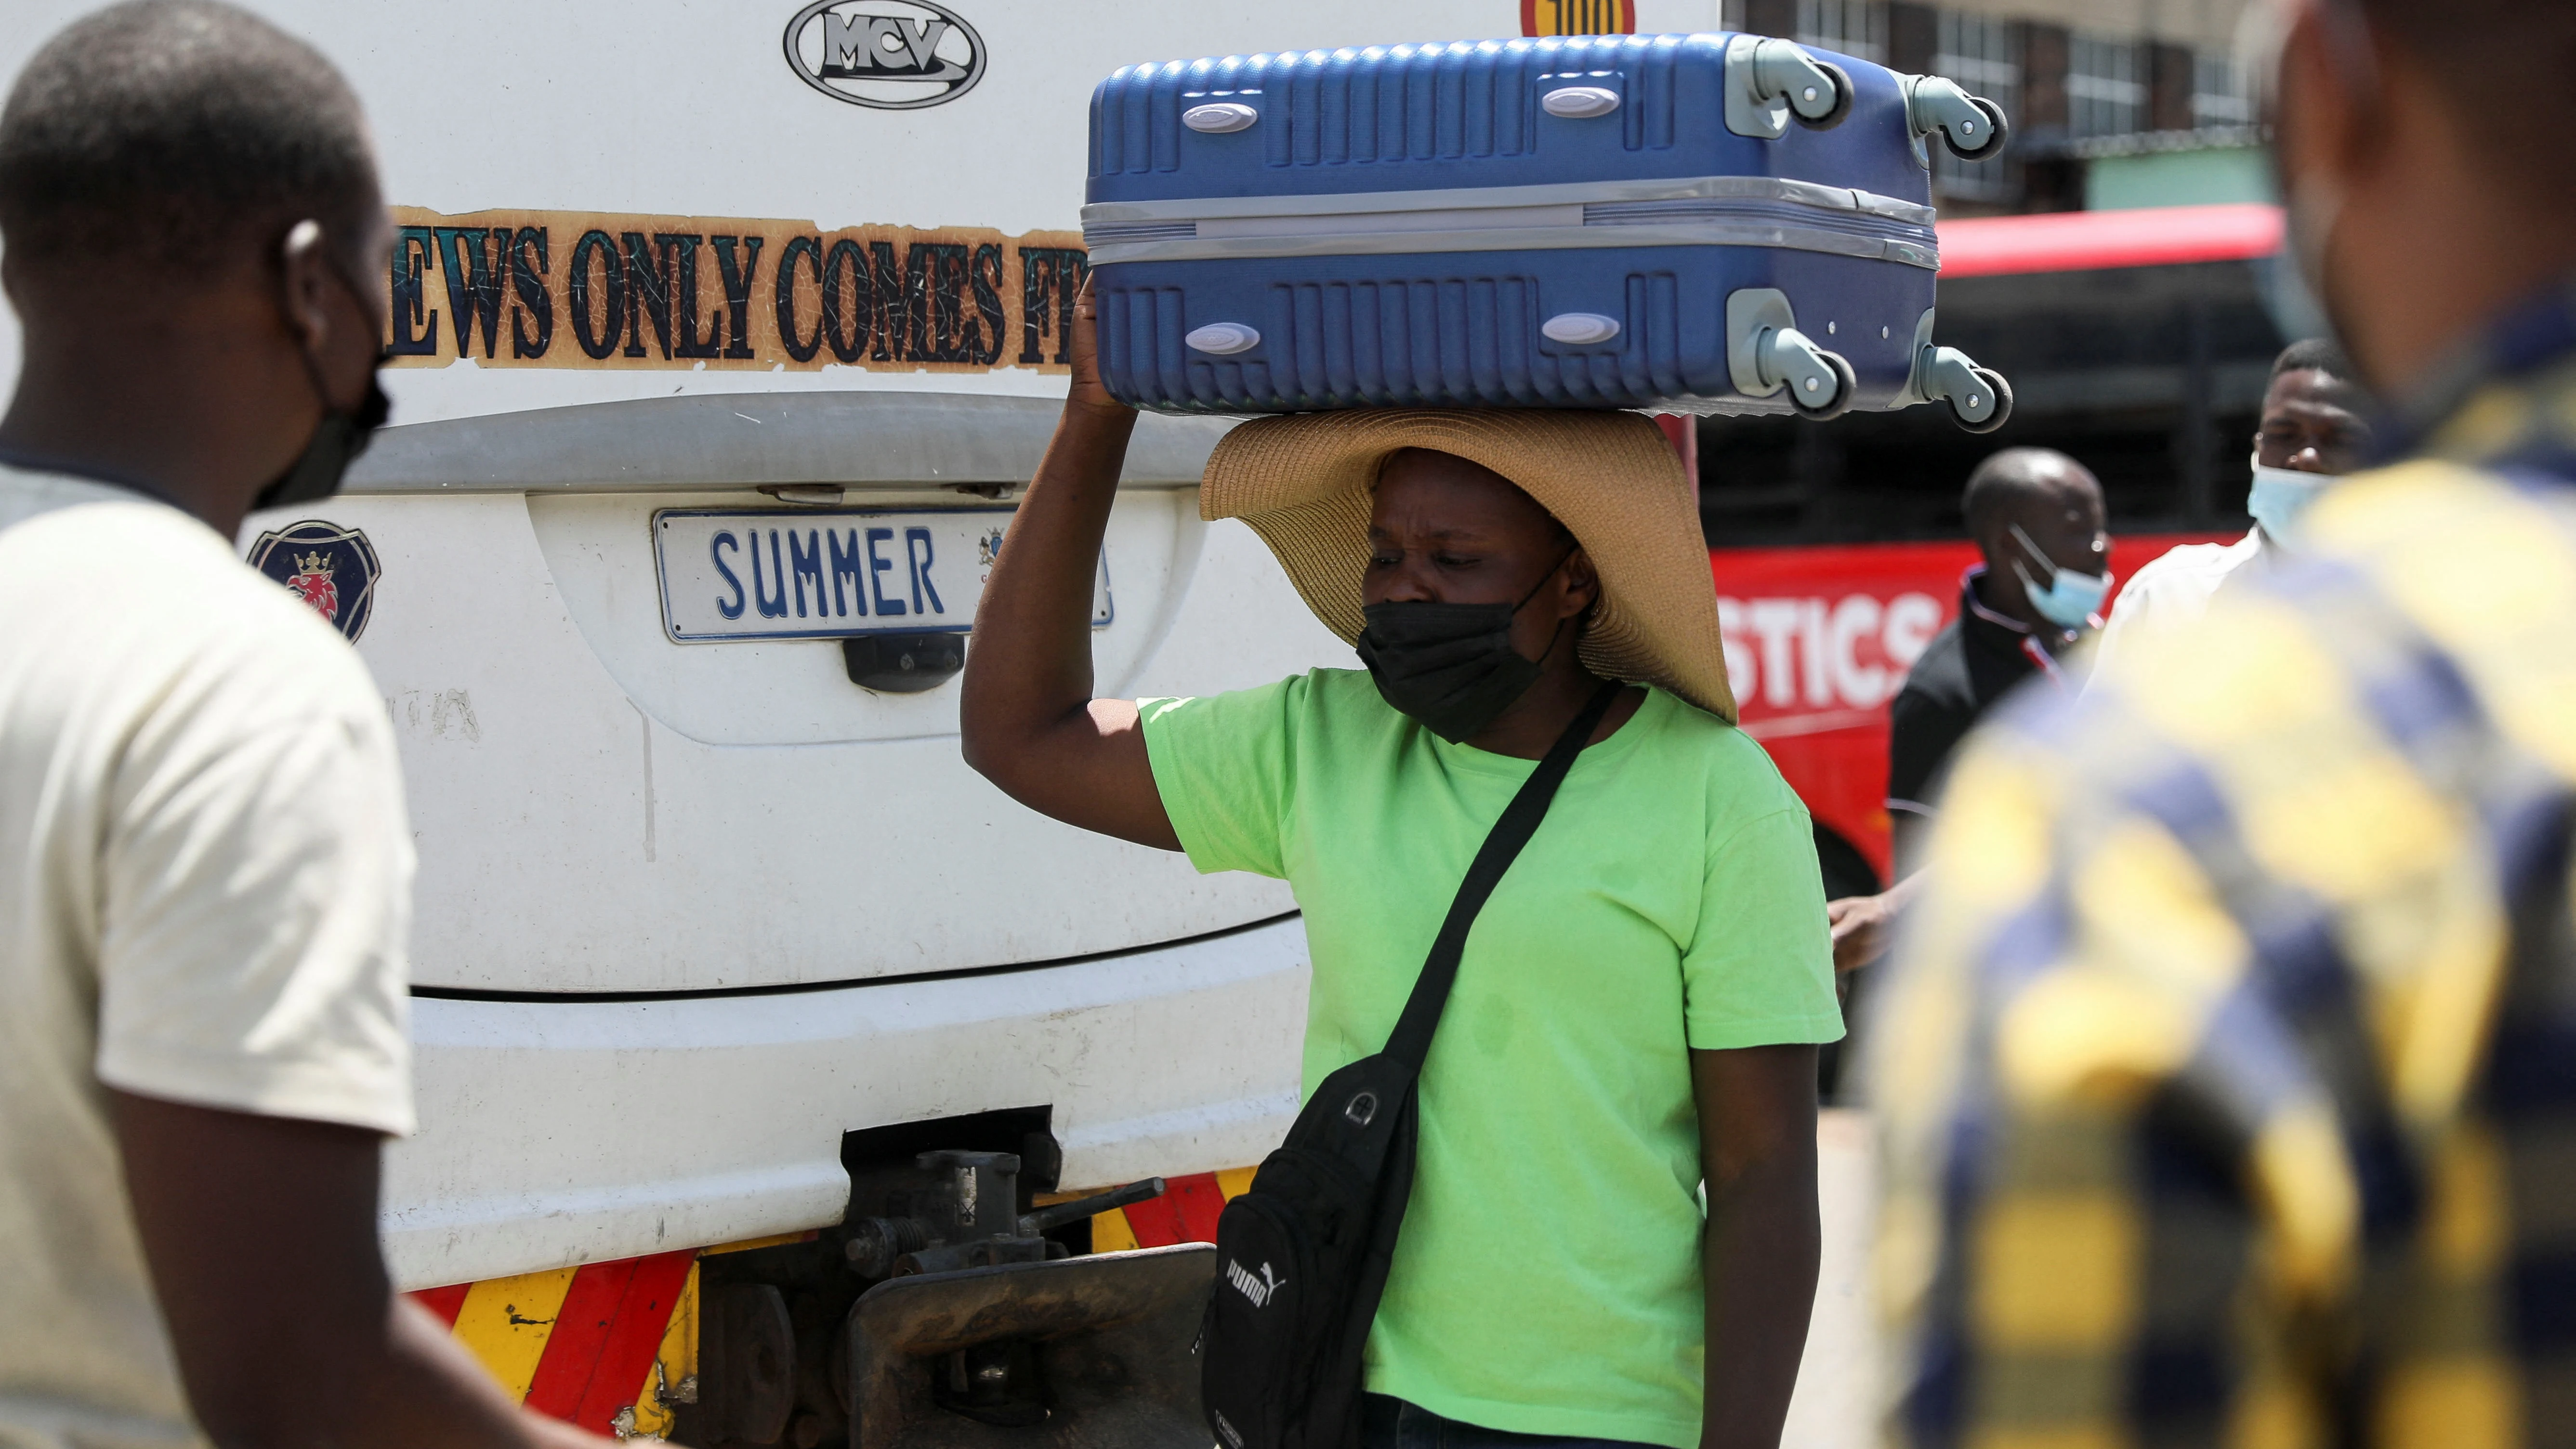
{"points": [[939, 1314], [1081, 1353], [984, 1333]]}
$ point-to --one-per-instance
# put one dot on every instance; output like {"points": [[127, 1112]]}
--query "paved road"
{"points": [[1837, 1394]]}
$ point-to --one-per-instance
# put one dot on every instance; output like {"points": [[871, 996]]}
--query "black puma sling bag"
{"points": [[1302, 1256]]}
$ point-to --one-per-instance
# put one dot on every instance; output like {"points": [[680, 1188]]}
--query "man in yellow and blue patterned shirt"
{"points": [[2228, 1073]]}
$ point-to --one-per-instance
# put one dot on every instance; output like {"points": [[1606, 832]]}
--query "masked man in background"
{"points": [[2315, 428], [2037, 517]]}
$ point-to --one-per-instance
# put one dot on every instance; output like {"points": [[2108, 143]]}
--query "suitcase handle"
{"points": [[1576, 103], [1220, 117]]}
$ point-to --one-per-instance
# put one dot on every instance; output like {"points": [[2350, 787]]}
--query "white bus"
{"points": [[723, 335]]}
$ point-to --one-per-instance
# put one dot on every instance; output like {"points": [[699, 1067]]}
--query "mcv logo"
{"points": [[1257, 1289], [894, 55]]}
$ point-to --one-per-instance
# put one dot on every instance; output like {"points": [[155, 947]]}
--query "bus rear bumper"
{"points": [[563, 1132]]}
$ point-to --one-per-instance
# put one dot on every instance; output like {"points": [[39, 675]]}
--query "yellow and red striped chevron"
{"points": [[1185, 1213], [612, 1346], [605, 1345]]}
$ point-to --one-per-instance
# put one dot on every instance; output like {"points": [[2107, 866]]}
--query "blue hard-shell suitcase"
{"points": [[1693, 223]]}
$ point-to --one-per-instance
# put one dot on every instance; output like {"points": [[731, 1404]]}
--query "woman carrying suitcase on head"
{"points": [[1638, 1003]]}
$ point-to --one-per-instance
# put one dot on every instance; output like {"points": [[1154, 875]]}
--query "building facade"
{"points": [[2112, 102]]}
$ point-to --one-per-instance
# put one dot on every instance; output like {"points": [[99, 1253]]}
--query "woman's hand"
{"points": [[1083, 346]]}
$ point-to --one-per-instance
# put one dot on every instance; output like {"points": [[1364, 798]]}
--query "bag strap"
{"points": [[1410, 1042]]}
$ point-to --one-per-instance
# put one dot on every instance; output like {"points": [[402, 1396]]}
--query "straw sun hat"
{"points": [[1304, 483]]}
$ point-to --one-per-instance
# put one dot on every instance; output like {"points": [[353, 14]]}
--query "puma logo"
{"points": [[1257, 1289]]}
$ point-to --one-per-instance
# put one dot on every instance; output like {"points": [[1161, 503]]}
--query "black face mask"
{"points": [[1450, 666], [336, 443]]}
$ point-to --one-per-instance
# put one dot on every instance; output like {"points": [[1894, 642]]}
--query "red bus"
{"points": [[2139, 342]]}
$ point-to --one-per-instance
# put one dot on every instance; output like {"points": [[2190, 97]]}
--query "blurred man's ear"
{"points": [[2328, 97], [2322, 124], [304, 274]]}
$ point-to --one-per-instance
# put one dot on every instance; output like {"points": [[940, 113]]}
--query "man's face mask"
{"points": [[2280, 495], [2069, 600], [336, 442], [1450, 666]]}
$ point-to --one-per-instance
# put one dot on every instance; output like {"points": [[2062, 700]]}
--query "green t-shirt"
{"points": [[1548, 1277]]}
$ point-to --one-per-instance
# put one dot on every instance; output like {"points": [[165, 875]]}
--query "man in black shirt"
{"points": [[2036, 515]]}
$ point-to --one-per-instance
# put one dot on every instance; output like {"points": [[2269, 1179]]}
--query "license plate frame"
{"points": [[906, 558]]}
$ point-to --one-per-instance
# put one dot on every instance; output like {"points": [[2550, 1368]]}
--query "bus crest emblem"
{"points": [[311, 582], [331, 569]]}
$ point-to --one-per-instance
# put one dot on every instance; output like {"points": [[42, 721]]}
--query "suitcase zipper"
{"points": [[1719, 211]]}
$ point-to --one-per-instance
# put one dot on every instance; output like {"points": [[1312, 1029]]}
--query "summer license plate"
{"points": [[829, 573]]}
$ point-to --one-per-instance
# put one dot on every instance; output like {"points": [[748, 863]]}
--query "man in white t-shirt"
{"points": [[2315, 428], [204, 866]]}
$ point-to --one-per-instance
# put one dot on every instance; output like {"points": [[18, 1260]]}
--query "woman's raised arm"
{"points": [[1027, 718]]}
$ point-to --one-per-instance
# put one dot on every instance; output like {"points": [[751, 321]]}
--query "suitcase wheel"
{"points": [[1771, 82], [1845, 387], [1767, 356], [2003, 403], [1834, 115], [1972, 127], [1980, 400], [1998, 128]]}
